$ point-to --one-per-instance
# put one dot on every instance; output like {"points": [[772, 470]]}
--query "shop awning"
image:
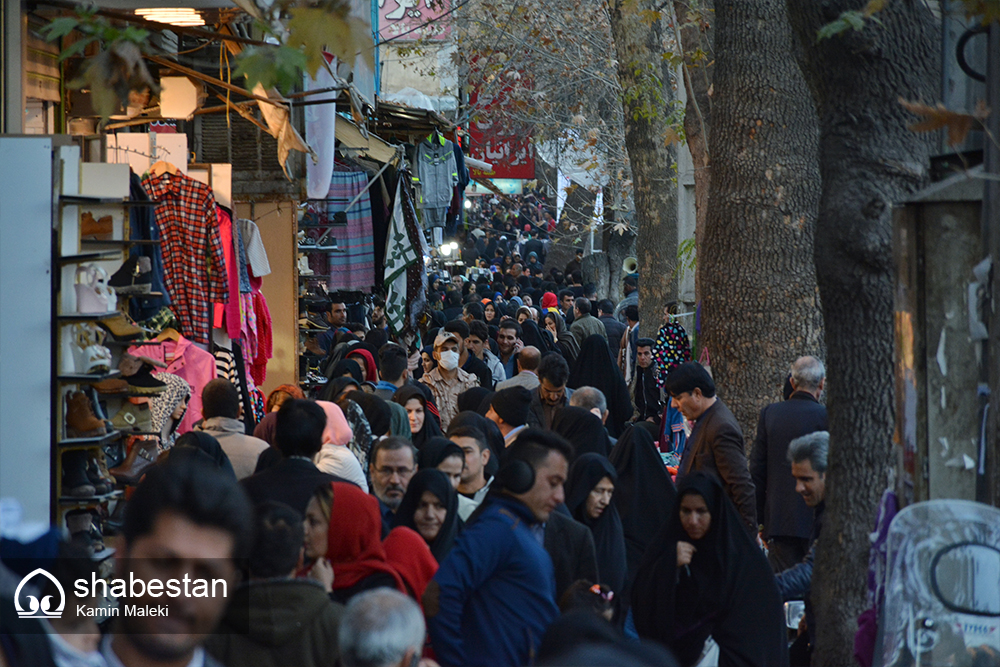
{"points": [[349, 135], [397, 119]]}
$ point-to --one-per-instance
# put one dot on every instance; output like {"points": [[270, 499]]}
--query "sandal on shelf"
{"points": [[89, 355], [88, 299], [105, 290]]}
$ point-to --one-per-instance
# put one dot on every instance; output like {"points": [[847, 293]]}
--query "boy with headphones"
{"points": [[493, 596]]}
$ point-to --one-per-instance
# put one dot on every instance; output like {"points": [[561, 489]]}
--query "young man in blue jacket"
{"points": [[494, 595]]}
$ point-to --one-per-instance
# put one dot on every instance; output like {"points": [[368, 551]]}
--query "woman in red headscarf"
{"points": [[367, 361], [409, 554], [344, 527]]}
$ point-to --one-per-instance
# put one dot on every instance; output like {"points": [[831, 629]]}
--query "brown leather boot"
{"points": [[102, 468], [100, 229], [81, 422], [140, 457]]}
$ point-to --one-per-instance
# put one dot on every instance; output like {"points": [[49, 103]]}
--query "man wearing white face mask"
{"points": [[447, 381]]}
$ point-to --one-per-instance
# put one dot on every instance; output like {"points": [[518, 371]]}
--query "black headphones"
{"points": [[516, 476]]}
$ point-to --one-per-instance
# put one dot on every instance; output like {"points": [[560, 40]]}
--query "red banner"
{"points": [[508, 150]]}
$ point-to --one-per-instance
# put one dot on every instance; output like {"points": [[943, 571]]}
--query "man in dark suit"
{"points": [[788, 521], [716, 442], [615, 329], [534, 245], [298, 434], [570, 545]]}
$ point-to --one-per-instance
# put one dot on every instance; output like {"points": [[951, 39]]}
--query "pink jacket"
{"points": [[188, 362]]}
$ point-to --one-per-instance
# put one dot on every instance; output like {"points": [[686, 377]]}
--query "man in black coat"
{"points": [[292, 480], [716, 441], [570, 545], [788, 522], [534, 245], [615, 329]]}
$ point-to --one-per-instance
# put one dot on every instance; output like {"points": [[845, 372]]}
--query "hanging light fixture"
{"points": [[182, 16]]}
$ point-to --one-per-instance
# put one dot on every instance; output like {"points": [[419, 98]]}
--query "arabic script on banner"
{"points": [[510, 152]]}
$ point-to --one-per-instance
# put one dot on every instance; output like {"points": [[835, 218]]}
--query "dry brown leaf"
{"points": [[940, 117], [873, 7]]}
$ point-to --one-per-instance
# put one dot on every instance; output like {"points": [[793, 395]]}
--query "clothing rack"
{"points": [[122, 149]]}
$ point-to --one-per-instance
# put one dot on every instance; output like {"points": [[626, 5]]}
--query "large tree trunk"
{"points": [[696, 19], [760, 305], [869, 160], [647, 90]]}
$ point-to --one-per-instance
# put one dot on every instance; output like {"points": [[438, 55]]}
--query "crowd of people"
{"points": [[536, 485]]}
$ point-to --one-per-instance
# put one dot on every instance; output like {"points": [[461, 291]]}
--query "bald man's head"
{"points": [[528, 358]]}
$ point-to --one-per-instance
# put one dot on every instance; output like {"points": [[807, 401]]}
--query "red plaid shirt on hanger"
{"points": [[193, 263]]}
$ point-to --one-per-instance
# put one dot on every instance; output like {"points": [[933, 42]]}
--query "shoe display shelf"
{"points": [[89, 443], [72, 502], [75, 454]]}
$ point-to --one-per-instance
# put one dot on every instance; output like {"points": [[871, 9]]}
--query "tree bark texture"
{"points": [[696, 21], [991, 236], [868, 160], [760, 305], [646, 88]]}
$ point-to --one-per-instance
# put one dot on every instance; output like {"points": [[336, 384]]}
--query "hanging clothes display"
{"points": [[229, 316], [241, 253], [381, 190], [193, 260], [405, 279], [321, 122], [225, 365], [188, 362], [256, 254], [456, 208], [354, 268], [142, 227], [436, 178], [257, 365]]}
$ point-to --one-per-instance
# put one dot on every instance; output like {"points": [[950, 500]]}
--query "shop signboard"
{"points": [[508, 186], [412, 20], [508, 149]]}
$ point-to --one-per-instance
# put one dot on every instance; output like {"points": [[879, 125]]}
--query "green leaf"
{"points": [[76, 48], [852, 20], [855, 20], [311, 29], [272, 67], [133, 34], [60, 27]]}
